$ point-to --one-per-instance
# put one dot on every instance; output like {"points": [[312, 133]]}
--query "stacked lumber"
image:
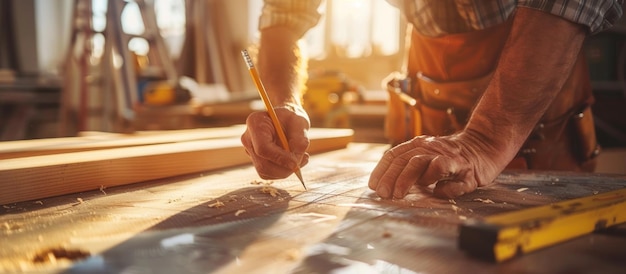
{"points": [[37, 169]]}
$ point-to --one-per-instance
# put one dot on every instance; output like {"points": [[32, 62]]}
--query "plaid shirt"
{"points": [[440, 17]]}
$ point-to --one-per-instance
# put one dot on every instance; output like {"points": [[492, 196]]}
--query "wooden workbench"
{"points": [[230, 221]]}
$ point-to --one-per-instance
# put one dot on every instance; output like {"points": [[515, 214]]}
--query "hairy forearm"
{"points": [[538, 55], [282, 68]]}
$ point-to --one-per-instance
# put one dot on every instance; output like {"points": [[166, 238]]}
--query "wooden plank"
{"points": [[37, 177], [103, 140]]}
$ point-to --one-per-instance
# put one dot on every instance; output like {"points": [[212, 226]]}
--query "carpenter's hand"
{"points": [[456, 164], [263, 146]]}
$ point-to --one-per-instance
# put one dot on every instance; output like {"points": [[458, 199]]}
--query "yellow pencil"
{"points": [[269, 108]]}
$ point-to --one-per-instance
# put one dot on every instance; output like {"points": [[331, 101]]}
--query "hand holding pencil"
{"points": [[267, 160]]}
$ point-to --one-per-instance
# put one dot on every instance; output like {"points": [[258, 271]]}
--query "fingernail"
{"points": [[383, 192], [398, 195]]}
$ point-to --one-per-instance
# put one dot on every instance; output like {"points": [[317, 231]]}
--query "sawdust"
{"points": [[54, 255], [257, 182], [484, 201], [267, 189], [232, 198], [270, 190], [216, 204], [456, 209]]}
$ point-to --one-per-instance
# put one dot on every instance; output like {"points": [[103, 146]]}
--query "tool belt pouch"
{"points": [[446, 106], [567, 143], [439, 108], [585, 141], [402, 119]]}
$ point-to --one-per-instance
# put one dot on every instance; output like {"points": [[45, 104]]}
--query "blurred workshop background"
{"points": [[72, 66]]}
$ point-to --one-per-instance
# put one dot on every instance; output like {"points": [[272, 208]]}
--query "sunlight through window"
{"points": [[358, 28], [170, 15]]}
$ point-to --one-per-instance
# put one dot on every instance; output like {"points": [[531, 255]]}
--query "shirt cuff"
{"points": [[298, 15]]}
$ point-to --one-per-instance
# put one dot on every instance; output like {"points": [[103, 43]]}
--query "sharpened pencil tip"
{"points": [[299, 174]]}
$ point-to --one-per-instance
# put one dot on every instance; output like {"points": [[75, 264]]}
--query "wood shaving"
{"points": [[265, 183], [80, 200], [216, 204], [102, 188], [522, 189], [39, 202], [452, 201], [270, 190], [239, 212], [484, 201], [455, 208], [292, 254]]}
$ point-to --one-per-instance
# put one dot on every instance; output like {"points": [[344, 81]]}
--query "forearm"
{"points": [[282, 68], [538, 55]]}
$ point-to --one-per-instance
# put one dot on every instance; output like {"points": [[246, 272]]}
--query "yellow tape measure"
{"points": [[504, 236]]}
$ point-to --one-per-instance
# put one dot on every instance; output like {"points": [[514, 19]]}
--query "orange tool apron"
{"points": [[445, 77]]}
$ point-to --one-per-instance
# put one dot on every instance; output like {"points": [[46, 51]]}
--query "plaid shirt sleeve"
{"points": [[299, 15], [597, 15], [440, 17]]}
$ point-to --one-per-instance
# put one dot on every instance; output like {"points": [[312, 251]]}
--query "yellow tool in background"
{"points": [[503, 236], [154, 88], [328, 94], [161, 93]]}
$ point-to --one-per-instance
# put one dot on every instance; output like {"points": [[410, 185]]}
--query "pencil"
{"points": [[270, 109]]}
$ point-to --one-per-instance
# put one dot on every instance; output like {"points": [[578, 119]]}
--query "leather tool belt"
{"points": [[421, 106]]}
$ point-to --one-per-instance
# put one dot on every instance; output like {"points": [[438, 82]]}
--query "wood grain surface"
{"points": [[36, 177], [230, 221], [103, 140]]}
